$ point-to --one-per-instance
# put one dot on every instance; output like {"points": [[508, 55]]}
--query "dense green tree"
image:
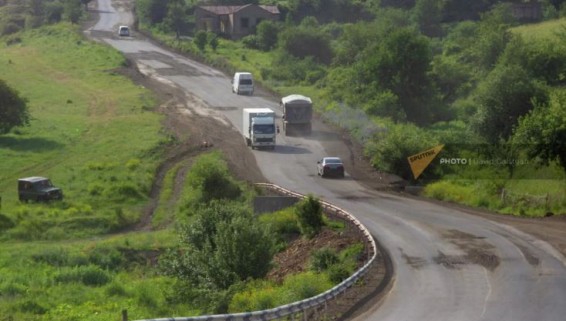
{"points": [[267, 33], [493, 36], [542, 132], [72, 10], [309, 216], [213, 41], [210, 178], [54, 11], [427, 15], [36, 13], [502, 98], [352, 42], [152, 11], [85, 3], [306, 42], [390, 149], [398, 64], [176, 18], [223, 245], [542, 59], [13, 109], [200, 39], [459, 10]]}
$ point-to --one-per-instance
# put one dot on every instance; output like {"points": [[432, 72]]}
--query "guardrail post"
{"points": [[124, 315]]}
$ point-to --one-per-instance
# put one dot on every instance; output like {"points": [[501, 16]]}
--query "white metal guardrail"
{"points": [[303, 306]]}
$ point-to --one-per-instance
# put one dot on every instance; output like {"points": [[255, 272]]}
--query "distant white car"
{"points": [[124, 31], [330, 166]]}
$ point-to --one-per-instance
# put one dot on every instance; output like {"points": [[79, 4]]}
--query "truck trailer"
{"points": [[297, 115], [259, 128]]}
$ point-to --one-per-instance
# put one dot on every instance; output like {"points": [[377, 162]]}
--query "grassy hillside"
{"points": [[83, 112], [92, 134]]}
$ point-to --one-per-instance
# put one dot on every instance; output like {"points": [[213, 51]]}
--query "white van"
{"points": [[123, 31], [243, 83]]}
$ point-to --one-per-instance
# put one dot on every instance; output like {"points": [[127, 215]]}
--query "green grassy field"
{"points": [[545, 30], [92, 132]]}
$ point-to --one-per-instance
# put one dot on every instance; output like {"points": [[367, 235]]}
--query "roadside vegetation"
{"points": [[71, 115], [85, 257], [404, 77]]}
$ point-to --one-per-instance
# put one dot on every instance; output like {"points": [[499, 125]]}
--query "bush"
{"points": [[257, 296], [6, 222], [52, 256], [106, 258], [115, 289], [338, 273], [87, 275], [389, 150], [323, 259], [10, 28], [282, 222], [309, 214], [250, 41], [210, 178], [305, 285]]}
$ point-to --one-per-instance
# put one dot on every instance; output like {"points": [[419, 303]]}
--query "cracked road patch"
{"points": [[477, 251]]}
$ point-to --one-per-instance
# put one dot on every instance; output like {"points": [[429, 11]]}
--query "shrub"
{"points": [[88, 275], [338, 273], [323, 259], [12, 289], [133, 164], [389, 150], [209, 176], [250, 41], [282, 222], [52, 256], [256, 296], [6, 222], [106, 257], [115, 289], [200, 39], [305, 285], [31, 306], [10, 28], [309, 214]]}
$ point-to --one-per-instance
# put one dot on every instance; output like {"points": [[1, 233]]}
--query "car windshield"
{"points": [[245, 81], [264, 129], [44, 183]]}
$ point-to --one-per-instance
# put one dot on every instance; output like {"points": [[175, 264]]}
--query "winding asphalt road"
{"points": [[449, 265]]}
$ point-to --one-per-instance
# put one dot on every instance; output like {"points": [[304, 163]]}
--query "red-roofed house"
{"points": [[234, 21]]}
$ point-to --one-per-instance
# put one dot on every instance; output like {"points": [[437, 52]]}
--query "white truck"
{"points": [[259, 127]]}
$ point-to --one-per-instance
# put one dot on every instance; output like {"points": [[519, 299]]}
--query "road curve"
{"points": [[449, 265]]}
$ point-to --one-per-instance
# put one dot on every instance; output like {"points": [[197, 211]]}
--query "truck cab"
{"points": [[259, 127]]}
